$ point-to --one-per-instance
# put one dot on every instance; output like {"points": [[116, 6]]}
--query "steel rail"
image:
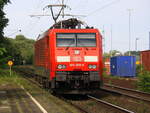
{"points": [[74, 105], [127, 95], [132, 90], [111, 105]]}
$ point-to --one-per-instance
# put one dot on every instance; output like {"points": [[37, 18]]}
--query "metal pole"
{"points": [[104, 38], [62, 12], [149, 40], [63, 9], [111, 41], [10, 70], [129, 31], [136, 43]]}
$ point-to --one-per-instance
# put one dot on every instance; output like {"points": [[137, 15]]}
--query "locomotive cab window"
{"points": [[66, 39], [76, 40], [86, 40]]}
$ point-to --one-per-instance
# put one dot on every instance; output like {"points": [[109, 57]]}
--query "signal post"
{"points": [[10, 63]]}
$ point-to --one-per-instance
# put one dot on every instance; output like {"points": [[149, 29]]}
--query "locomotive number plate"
{"points": [[80, 65]]}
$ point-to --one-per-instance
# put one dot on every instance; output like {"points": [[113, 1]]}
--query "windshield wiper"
{"points": [[83, 45], [69, 45]]}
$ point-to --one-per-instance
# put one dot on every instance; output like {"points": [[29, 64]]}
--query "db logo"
{"points": [[76, 52]]}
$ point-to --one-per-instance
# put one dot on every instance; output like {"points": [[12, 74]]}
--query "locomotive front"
{"points": [[78, 60]]}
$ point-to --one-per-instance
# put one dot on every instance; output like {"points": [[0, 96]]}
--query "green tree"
{"points": [[3, 24], [133, 53], [3, 19], [106, 55], [2, 51], [115, 53], [112, 53], [24, 53], [19, 50], [6, 48]]}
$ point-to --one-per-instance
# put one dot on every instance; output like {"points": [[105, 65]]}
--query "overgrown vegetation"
{"points": [[20, 50], [144, 81], [6, 78], [13, 79]]}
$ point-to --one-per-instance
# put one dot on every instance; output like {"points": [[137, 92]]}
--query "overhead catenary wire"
{"points": [[66, 1], [31, 25], [19, 30], [59, 1], [79, 4], [93, 12], [40, 3], [52, 13], [103, 7]]}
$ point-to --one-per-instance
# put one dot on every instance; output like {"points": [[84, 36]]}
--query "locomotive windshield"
{"points": [[76, 40]]}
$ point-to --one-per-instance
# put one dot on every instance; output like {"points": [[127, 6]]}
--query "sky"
{"points": [[110, 16]]}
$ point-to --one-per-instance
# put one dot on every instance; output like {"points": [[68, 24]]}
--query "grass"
{"points": [[13, 79], [6, 78]]}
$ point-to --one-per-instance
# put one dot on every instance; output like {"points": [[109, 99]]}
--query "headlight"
{"points": [[92, 66], [61, 66]]}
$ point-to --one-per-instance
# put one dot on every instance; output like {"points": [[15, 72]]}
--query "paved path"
{"points": [[14, 99]]}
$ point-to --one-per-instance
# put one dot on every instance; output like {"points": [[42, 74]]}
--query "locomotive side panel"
{"points": [[42, 56], [100, 57]]}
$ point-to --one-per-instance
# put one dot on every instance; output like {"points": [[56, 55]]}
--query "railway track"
{"points": [[113, 107], [39, 85], [82, 110], [128, 92], [106, 88]]}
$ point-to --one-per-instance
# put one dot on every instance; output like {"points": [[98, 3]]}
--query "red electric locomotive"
{"points": [[69, 58]]}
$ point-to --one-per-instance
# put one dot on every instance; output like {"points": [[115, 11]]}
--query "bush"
{"points": [[144, 81], [139, 69]]}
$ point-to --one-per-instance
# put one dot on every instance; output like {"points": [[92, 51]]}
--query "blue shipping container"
{"points": [[124, 66]]}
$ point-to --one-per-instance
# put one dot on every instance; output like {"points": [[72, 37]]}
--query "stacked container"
{"points": [[124, 66], [145, 59]]}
